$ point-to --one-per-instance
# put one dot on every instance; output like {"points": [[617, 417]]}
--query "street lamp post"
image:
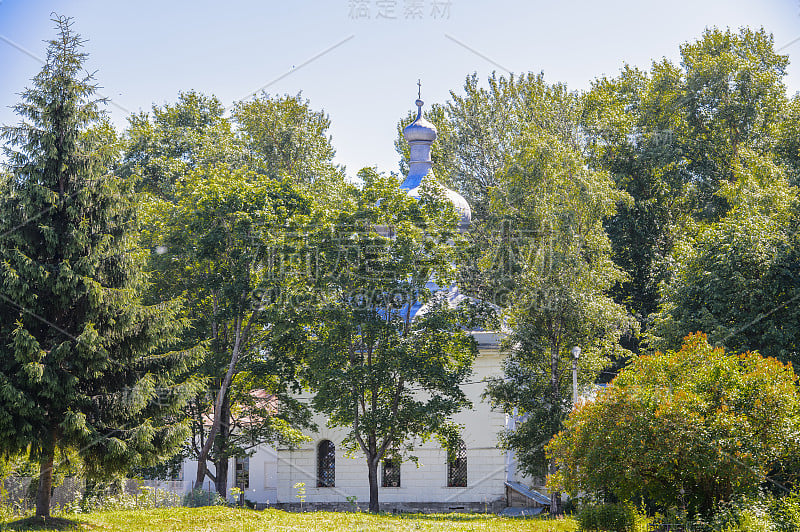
{"points": [[576, 353]]}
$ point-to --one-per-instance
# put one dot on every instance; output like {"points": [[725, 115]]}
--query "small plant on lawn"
{"points": [[236, 495], [785, 512], [353, 500], [301, 493]]}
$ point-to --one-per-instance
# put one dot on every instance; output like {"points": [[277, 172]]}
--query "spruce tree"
{"points": [[84, 364]]}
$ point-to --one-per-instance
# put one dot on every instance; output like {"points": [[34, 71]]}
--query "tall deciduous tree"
{"points": [[738, 280], [197, 169], [672, 136], [561, 299], [81, 358], [387, 374], [218, 238]]}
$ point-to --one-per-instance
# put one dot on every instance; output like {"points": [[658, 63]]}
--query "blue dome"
{"points": [[420, 135], [420, 130]]}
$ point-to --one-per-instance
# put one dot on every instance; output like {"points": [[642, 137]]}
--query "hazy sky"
{"points": [[360, 60]]}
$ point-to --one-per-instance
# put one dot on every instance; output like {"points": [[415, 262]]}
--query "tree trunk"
{"points": [[222, 477], [220, 445], [201, 474], [372, 465], [555, 497], [45, 483], [555, 503], [241, 338]]}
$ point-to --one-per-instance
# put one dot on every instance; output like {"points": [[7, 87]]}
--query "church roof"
{"points": [[420, 135], [420, 130]]}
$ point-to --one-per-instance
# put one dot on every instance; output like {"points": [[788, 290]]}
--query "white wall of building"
{"points": [[275, 472], [422, 482]]}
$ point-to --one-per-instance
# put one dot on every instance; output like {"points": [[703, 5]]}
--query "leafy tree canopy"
{"points": [[738, 280], [671, 137], [683, 429]]}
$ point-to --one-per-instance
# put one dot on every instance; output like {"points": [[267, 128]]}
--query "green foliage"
{"points": [[785, 512], [554, 256], [738, 279], [684, 429], [787, 148], [163, 148], [671, 137], [116, 498], [741, 514], [376, 370], [219, 236], [81, 356], [607, 517], [200, 497], [762, 512], [283, 136], [223, 198], [734, 94], [301, 491], [634, 125]]}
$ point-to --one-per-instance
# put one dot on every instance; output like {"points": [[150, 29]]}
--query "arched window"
{"points": [[457, 467], [326, 464]]}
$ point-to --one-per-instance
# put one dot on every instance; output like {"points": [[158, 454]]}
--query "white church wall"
{"points": [[425, 482], [263, 477], [273, 473]]}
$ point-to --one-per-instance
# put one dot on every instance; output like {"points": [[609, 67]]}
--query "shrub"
{"points": [[201, 497], [110, 499], [753, 522], [785, 513], [744, 514], [607, 518], [673, 415]]}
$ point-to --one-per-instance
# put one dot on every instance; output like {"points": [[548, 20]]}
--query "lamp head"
{"points": [[576, 352]]}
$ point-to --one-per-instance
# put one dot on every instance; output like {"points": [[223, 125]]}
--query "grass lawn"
{"points": [[214, 519]]}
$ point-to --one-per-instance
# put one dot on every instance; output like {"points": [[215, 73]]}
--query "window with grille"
{"points": [[326, 464], [457, 467], [243, 473], [391, 473]]}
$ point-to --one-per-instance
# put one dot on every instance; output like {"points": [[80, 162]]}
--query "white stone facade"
{"points": [[424, 482], [274, 473]]}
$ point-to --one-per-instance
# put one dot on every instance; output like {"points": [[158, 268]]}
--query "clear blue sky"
{"points": [[147, 51]]}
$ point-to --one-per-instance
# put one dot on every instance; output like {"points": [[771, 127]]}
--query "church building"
{"points": [[480, 477]]}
